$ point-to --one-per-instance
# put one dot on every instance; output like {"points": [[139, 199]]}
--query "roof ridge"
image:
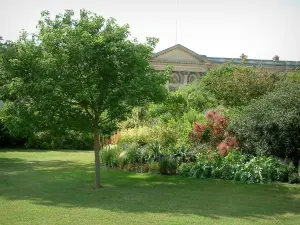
{"points": [[185, 49]]}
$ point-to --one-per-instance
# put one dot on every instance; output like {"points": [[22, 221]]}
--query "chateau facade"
{"points": [[189, 66]]}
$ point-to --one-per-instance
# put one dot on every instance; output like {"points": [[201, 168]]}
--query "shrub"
{"points": [[168, 165], [66, 140], [130, 167], [166, 135], [144, 168], [201, 100], [183, 154], [140, 135], [163, 165], [237, 85], [154, 151], [294, 178], [262, 169], [129, 154], [8, 140], [153, 167], [213, 132], [172, 108], [197, 98], [199, 134], [172, 166], [227, 167], [236, 166], [185, 169], [109, 157], [293, 174], [115, 138], [271, 125]]}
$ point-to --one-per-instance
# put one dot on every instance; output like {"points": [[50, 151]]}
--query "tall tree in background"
{"points": [[78, 74]]}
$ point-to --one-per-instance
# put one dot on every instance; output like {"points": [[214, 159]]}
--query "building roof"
{"points": [[221, 60], [181, 47]]}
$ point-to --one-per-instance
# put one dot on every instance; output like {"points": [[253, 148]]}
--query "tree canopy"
{"points": [[77, 74]]}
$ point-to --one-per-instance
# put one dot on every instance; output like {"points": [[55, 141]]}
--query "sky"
{"points": [[215, 28]]}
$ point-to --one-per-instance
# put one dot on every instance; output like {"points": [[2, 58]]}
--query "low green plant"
{"points": [[236, 166], [185, 169], [153, 167], [168, 165], [163, 165], [129, 154], [172, 166], [294, 178], [144, 168], [130, 167], [262, 169], [155, 151], [109, 157], [227, 166]]}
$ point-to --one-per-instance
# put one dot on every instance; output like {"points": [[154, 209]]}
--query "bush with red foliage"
{"points": [[217, 124], [197, 134], [214, 133], [228, 144]]}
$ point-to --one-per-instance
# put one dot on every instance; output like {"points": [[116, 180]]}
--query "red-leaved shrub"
{"points": [[214, 133]]}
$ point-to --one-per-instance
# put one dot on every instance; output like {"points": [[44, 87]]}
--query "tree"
{"points": [[236, 85], [271, 124], [79, 74]]}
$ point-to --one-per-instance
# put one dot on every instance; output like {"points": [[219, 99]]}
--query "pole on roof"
{"points": [[176, 22]]}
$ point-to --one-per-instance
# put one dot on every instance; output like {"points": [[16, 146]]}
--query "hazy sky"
{"points": [[216, 28]]}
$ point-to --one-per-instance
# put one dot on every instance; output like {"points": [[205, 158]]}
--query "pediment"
{"points": [[178, 54]]}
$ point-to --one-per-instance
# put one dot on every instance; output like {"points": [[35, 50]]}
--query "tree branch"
{"points": [[88, 112], [107, 119]]}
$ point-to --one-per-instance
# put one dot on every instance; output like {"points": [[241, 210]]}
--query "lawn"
{"points": [[56, 187]]}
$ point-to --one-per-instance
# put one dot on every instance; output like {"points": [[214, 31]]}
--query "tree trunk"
{"points": [[97, 156]]}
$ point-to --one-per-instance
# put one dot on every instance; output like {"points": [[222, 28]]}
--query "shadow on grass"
{"points": [[40, 150], [68, 184]]}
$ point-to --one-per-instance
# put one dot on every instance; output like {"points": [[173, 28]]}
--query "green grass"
{"points": [[56, 187]]}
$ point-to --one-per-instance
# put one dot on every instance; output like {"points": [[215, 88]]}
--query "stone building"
{"points": [[189, 66]]}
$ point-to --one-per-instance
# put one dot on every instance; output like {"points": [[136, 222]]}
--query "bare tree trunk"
{"points": [[97, 155]]}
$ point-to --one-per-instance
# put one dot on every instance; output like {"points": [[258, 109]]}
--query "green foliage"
{"points": [[183, 154], [185, 169], [226, 167], [173, 107], [262, 169], [109, 157], [236, 166], [66, 140], [153, 167], [164, 134], [77, 73], [294, 178], [139, 135], [293, 174], [168, 165], [200, 99], [271, 124], [155, 151], [237, 85], [129, 155], [7, 139]]}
